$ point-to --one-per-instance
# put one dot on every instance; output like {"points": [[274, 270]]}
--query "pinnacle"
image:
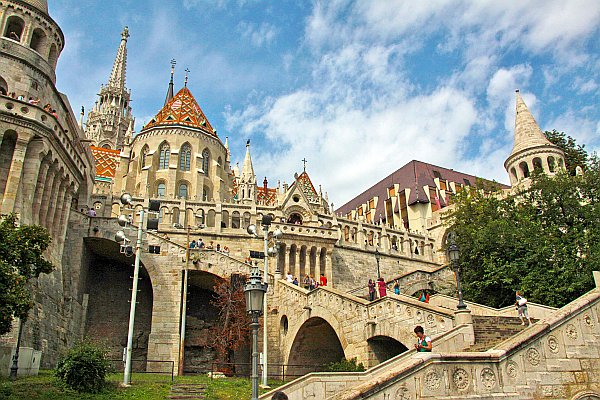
{"points": [[527, 132]]}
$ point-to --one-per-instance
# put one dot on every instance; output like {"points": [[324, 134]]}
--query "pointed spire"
{"points": [[228, 155], [117, 76], [527, 132], [129, 133], [81, 117], [170, 89], [247, 168]]}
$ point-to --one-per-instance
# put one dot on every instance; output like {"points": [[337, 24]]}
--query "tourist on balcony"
{"points": [[226, 250], [91, 212], [382, 288], [396, 287], [323, 280], [193, 244], [306, 282], [424, 343], [295, 281], [371, 290], [201, 244], [289, 277]]}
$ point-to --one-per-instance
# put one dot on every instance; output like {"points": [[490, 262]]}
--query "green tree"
{"points": [[575, 155], [544, 240], [21, 258]]}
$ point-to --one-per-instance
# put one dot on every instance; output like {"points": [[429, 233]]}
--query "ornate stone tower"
{"points": [[532, 151], [247, 179], [111, 117]]}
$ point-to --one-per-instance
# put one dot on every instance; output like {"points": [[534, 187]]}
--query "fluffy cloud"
{"points": [[258, 34]]}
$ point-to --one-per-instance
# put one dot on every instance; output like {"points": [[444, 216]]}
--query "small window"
{"points": [[513, 172], [14, 28], [205, 193], [205, 161], [467, 182], [143, 156], [437, 174], [551, 164], [161, 190], [38, 40], [524, 169], [185, 156], [537, 164], [183, 191]]}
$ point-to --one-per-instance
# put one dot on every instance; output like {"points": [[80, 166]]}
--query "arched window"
{"points": [[220, 162], [183, 190], [161, 189], [551, 164], [205, 193], [205, 161], [14, 28], [537, 164], [3, 87], [38, 40], [185, 157], [524, 169], [561, 163], [106, 146], [143, 155], [53, 55], [513, 172], [165, 154]]}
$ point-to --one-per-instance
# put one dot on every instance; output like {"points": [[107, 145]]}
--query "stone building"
{"points": [[46, 166]]}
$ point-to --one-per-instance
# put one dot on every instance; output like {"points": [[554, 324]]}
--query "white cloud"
{"points": [[259, 35]]}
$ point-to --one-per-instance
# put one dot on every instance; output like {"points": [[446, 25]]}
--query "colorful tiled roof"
{"points": [[107, 161], [268, 198], [305, 184], [182, 109]]}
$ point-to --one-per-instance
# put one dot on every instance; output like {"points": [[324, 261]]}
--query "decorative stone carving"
{"points": [[409, 311], [512, 369], [433, 381], [488, 378], [461, 379], [588, 320], [553, 344], [430, 320], [419, 316], [533, 356], [401, 393], [571, 331]]}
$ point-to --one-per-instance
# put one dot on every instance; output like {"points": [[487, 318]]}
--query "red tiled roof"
{"points": [[107, 161], [182, 109], [268, 198]]}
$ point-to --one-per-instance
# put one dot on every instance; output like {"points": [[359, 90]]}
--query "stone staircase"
{"points": [[492, 330], [187, 391]]}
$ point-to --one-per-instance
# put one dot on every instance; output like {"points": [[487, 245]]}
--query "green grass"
{"points": [[144, 387]]}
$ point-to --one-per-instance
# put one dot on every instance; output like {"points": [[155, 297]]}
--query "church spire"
{"points": [[117, 76], [170, 89], [527, 131], [247, 168]]}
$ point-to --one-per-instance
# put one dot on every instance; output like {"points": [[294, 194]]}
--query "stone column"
{"points": [[16, 169], [64, 220], [51, 192], [31, 171], [329, 269], [39, 192], [55, 204]]}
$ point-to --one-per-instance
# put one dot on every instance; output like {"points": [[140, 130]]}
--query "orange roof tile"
{"points": [[268, 198], [182, 109], [107, 161]]}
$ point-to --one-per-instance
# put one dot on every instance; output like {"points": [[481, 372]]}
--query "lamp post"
{"points": [[454, 256], [15, 361], [255, 292], [377, 258]]}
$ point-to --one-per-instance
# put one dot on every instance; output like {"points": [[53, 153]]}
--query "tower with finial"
{"points": [[111, 116], [247, 179], [532, 151]]}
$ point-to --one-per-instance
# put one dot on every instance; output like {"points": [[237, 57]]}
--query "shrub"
{"points": [[84, 368], [344, 365]]}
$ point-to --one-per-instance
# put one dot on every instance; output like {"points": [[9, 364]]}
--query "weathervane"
{"points": [[304, 161], [187, 71]]}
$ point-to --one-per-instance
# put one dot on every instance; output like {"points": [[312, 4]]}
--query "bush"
{"points": [[84, 368], [344, 365]]}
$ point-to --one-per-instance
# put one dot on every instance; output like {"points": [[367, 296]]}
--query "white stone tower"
{"points": [[111, 117], [531, 150], [247, 179]]}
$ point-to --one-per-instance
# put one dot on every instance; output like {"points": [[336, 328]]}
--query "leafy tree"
{"points": [[21, 258], [84, 368], [232, 329], [543, 240], [575, 155]]}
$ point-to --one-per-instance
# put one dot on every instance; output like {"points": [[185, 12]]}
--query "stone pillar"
{"points": [[16, 169], [329, 270], [39, 192], [464, 317], [64, 220], [31, 170], [57, 193], [46, 190], [52, 196]]}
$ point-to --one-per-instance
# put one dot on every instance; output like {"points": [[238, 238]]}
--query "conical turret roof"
{"points": [[248, 168], [117, 75], [41, 5], [183, 110], [527, 132]]}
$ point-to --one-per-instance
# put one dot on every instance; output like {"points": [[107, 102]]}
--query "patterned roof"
{"points": [[107, 161], [305, 184], [268, 198], [182, 109]]}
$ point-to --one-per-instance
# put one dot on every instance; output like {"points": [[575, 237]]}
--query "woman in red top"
{"points": [[381, 287]]}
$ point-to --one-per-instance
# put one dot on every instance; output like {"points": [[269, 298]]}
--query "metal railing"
{"points": [[140, 366], [279, 372]]}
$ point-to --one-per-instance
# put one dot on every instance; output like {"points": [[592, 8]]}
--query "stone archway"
{"points": [[382, 348], [308, 354]]}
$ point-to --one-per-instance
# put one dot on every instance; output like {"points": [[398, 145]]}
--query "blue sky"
{"points": [[359, 88]]}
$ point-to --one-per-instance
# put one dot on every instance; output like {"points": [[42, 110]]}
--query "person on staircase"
{"points": [[521, 303], [371, 290], [382, 288], [396, 287], [424, 343]]}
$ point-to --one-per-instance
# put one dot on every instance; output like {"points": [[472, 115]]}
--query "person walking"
{"points": [[521, 303], [279, 395], [382, 288], [424, 343], [371, 290], [396, 287]]}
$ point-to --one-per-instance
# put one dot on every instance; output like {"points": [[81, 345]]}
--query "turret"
{"points": [[531, 150], [247, 181]]}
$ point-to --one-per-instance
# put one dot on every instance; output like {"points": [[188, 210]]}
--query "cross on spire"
{"points": [[187, 71], [304, 161]]}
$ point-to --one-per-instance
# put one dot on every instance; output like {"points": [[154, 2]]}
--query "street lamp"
{"points": [[269, 252], [454, 256], [255, 291], [378, 257]]}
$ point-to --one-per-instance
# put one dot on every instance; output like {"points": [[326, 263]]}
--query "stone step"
{"points": [[490, 331], [187, 391]]}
